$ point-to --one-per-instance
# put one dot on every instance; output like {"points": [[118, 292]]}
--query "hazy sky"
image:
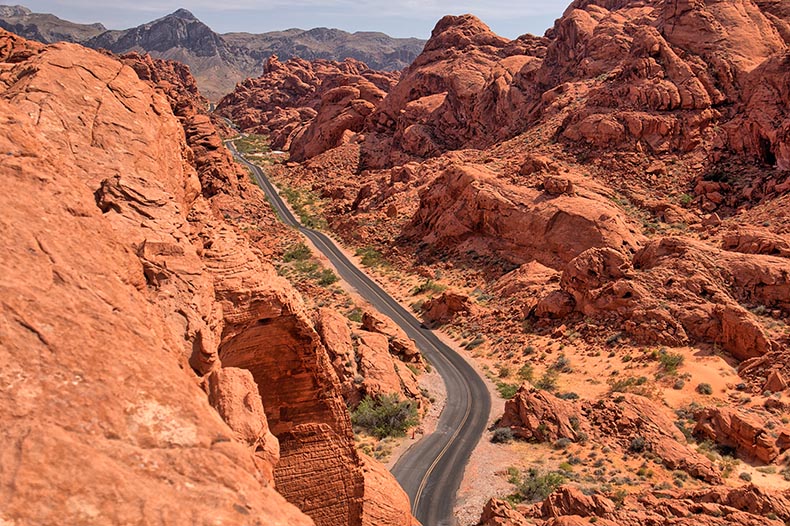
{"points": [[396, 17]]}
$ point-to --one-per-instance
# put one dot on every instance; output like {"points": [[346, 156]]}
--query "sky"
{"points": [[399, 18]]}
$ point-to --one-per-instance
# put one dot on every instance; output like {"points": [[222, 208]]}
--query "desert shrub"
{"points": [[562, 364], [370, 257], [561, 443], [526, 373], [669, 361], [547, 382], [745, 476], [638, 444], [705, 389], [502, 435], [428, 285], [297, 252], [385, 416], [327, 277], [506, 390], [534, 486]]}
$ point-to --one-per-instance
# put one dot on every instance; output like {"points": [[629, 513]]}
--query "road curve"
{"points": [[432, 469]]}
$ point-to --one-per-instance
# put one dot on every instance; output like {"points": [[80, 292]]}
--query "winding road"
{"points": [[432, 469]]}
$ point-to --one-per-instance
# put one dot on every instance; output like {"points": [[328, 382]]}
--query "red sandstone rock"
{"points": [[148, 447], [540, 416], [444, 307], [568, 500], [500, 513], [288, 97], [468, 207], [747, 433], [399, 344]]}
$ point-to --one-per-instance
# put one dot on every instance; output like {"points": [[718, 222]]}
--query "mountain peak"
{"points": [[10, 11], [183, 14]]}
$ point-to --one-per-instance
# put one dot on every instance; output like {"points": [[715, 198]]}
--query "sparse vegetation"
{"points": [[548, 382], [385, 416], [306, 206], [253, 144], [705, 389], [526, 373], [668, 361], [428, 286], [370, 257], [506, 390], [297, 252], [533, 486], [502, 435]]}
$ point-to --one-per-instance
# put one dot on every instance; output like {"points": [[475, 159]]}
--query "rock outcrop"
{"points": [[285, 101], [470, 208], [538, 416], [87, 319], [720, 506], [112, 244], [660, 307], [749, 434]]}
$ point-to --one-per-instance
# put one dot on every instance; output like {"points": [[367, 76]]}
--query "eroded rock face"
{"points": [[539, 416], [469, 208], [162, 280], [284, 102], [660, 306], [157, 448], [747, 433]]}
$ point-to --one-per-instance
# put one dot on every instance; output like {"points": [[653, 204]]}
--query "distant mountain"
{"points": [[217, 61], [44, 27]]}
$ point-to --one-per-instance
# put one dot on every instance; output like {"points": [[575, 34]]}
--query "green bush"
{"points": [[502, 435], [669, 361], [298, 252], [534, 486], [327, 277], [428, 285], [705, 389], [526, 373], [385, 416], [506, 390], [370, 257], [547, 382]]}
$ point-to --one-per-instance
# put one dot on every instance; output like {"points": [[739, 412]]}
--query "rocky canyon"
{"points": [[597, 220]]}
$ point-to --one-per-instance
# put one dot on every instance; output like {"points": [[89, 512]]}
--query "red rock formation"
{"points": [[703, 304], [74, 289], [542, 417], [747, 433], [172, 289], [539, 416], [720, 506], [283, 101], [470, 208], [500, 513], [444, 307], [568, 500]]}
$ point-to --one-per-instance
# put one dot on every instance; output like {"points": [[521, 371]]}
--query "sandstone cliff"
{"points": [[125, 291]]}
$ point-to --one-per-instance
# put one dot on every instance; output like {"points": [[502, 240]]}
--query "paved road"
{"points": [[432, 469]]}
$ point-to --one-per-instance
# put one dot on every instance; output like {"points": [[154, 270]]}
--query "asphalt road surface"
{"points": [[432, 469]]}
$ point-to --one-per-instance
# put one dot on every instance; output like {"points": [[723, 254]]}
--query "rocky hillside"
{"points": [[217, 61], [603, 212], [156, 367], [45, 27]]}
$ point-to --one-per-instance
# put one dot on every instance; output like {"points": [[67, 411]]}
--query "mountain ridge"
{"points": [[218, 61]]}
